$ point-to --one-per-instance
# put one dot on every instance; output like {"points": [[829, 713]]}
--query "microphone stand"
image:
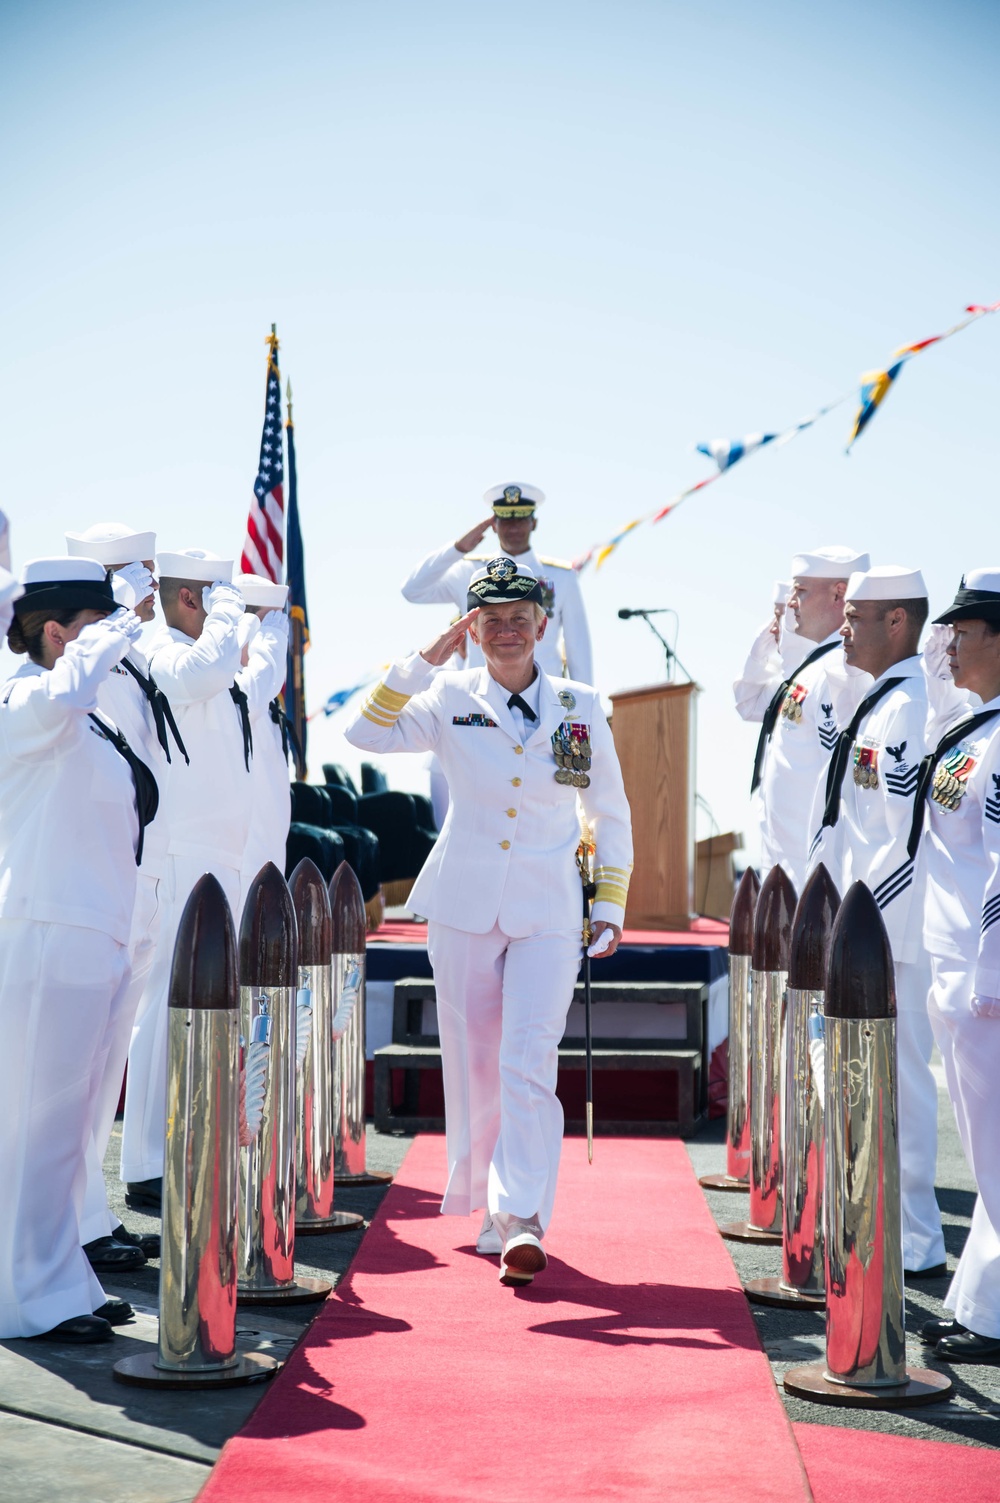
{"points": [[672, 657]]}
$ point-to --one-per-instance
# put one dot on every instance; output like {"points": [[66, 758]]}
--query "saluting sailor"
{"points": [[445, 575], [10, 588], [802, 716], [265, 653], [869, 793], [131, 698], [959, 797], [194, 658], [74, 802], [501, 892]]}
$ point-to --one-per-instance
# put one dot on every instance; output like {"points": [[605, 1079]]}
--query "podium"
{"points": [[655, 737]]}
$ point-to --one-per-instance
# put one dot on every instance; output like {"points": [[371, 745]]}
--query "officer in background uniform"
{"points": [[445, 574], [194, 658], [263, 673], [501, 891], [960, 799], [74, 799], [864, 835], [130, 698], [802, 718]]}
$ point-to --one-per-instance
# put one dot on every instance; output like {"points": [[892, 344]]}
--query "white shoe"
{"points": [[489, 1242], [523, 1254]]}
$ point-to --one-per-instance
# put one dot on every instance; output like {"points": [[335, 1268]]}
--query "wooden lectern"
{"points": [[654, 731]]}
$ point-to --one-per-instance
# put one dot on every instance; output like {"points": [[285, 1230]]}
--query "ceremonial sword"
{"points": [[584, 858]]}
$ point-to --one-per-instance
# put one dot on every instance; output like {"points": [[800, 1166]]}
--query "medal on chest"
{"points": [[571, 749], [791, 705], [949, 787], [866, 766]]}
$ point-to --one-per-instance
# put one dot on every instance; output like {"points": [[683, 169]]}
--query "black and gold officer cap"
{"points": [[514, 500], [501, 581]]}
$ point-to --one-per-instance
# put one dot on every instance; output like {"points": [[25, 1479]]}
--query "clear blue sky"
{"points": [[558, 242]]}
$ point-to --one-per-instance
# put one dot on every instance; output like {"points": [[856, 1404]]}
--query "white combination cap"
{"points": [[977, 599], [257, 591], [59, 570], [987, 580], [830, 563], [782, 590], [111, 543], [74, 584], [887, 582], [195, 564], [513, 499]]}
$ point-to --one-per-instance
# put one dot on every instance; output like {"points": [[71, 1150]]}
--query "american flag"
{"points": [[263, 551]]}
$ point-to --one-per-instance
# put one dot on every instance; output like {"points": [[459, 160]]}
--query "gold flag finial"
{"points": [[272, 343]]}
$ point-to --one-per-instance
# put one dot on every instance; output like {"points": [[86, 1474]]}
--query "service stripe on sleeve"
{"points": [[611, 892], [383, 706]]}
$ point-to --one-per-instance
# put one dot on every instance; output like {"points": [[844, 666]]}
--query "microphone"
{"points": [[625, 613]]}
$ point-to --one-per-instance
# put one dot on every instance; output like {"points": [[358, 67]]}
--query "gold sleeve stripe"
{"points": [[387, 699], [612, 871], [377, 718], [611, 892]]}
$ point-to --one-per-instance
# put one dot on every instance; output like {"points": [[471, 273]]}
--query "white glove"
{"points": [[935, 653], [4, 543], [223, 599], [108, 640], [601, 942], [276, 621], [764, 643], [247, 628], [303, 1024], [132, 585], [124, 621], [986, 1007], [10, 591]]}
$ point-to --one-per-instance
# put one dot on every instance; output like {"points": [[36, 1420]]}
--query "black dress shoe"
{"points": [[115, 1311], [147, 1242], [933, 1331], [938, 1271], [967, 1347], [144, 1194], [82, 1329], [119, 1257]]}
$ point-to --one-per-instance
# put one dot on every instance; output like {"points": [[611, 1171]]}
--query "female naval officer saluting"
{"points": [[501, 892], [74, 800]]}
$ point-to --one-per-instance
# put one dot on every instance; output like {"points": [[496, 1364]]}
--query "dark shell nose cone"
{"points": [[268, 938], [860, 981], [772, 922], [742, 912], [313, 916], [205, 973], [811, 930], [349, 926]]}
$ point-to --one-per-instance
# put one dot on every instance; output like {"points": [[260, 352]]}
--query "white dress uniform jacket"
{"points": [[68, 834], [507, 850], [270, 789], [876, 811], [960, 886], [444, 577]]}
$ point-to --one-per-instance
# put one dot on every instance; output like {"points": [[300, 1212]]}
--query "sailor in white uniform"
{"points": [[802, 717], [869, 796], [194, 658], [10, 588], [445, 574], [74, 801], [502, 894], [959, 794], [130, 698], [261, 679]]}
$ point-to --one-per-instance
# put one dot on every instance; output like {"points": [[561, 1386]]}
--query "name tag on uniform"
{"points": [[477, 720]]}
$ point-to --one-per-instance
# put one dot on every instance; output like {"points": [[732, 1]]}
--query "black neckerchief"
{"points": [[774, 709], [147, 794], [926, 775], [842, 751], [239, 699], [289, 738], [159, 704]]}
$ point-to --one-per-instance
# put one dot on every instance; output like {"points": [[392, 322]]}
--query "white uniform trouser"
{"points": [[923, 1239], [144, 1127], [970, 1049], [96, 1219], [501, 1007], [61, 989]]}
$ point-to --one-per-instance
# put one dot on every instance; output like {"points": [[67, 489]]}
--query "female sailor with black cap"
{"points": [[74, 800], [133, 700], [958, 795], [501, 891]]}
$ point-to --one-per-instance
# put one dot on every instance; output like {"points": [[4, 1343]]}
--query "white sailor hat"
{"points": [[112, 544], [829, 563], [195, 564], [501, 582], [257, 591], [514, 499], [977, 598], [782, 590], [64, 584], [886, 582]]}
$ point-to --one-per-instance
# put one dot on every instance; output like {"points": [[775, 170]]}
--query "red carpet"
{"points": [[630, 1370], [703, 931], [859, 1466]]}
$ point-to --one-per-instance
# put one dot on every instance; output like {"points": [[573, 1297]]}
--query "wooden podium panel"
{"points": [[654, 731]]}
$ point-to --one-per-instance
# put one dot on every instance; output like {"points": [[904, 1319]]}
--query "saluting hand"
{"points": [[475, 535], [441, 649]]}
